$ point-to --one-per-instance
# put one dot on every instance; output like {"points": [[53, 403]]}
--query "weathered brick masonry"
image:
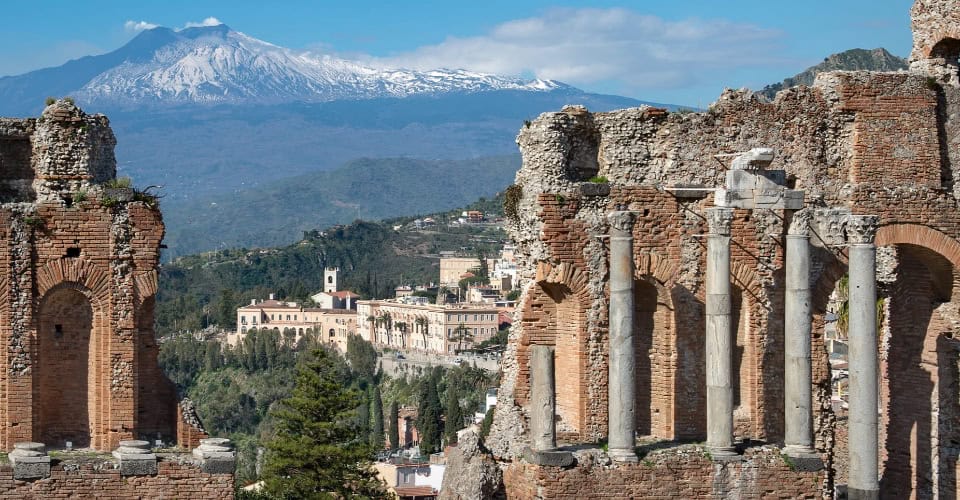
{"points": [[101, 479], [78, 279], [881, 144]]}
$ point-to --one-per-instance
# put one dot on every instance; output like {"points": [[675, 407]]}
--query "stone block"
{"points": [[552, 458], [594, 189], [29, 461], [216, 456], [144, 464]]}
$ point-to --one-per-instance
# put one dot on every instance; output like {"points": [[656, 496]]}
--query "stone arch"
{"points": [[67, 376], [555, 314], [748, 353], [60, 284]]}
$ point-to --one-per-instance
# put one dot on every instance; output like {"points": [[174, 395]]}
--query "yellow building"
{"points": [[414, 323]]}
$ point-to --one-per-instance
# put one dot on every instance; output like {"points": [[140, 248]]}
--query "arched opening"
{"points": [[744, 365], [554, 316], [920, 424], [65, 389], [653, 337], [947, 52]]}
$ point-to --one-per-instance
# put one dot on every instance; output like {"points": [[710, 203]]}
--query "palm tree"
{"points": [[423, 325], [461, 332], [402, 327], [373, 328]]}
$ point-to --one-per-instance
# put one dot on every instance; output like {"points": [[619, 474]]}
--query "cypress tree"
{"points": [[454, 416], [376, 408], [317, 452], [429, 422], [394, 425]]}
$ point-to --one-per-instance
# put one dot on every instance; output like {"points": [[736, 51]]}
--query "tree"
{"points": [[394, 425], [454, 415], [423, 325], [317, 452], [362, 357], [429, 423], [376, 408]]}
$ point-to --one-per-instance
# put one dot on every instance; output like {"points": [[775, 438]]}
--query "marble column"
{"points": [[622, 379], [863, 480], [719, 334], [798, 436], [543, 432]]}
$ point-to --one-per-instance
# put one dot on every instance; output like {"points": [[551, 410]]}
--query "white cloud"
{"points": [[589, 46], [210, 21], [137, 26]]}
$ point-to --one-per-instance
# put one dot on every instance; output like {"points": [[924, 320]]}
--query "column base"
{"points": [[551, 458], [722, 451], [858, 494], [627, 456], [796, 450]]}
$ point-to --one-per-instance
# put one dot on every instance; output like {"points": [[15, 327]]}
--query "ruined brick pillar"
{"points": [[863, 481], [719, 333]]}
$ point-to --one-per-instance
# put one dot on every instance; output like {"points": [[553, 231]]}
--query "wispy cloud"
{"points": [[587, 46], [137, 26], [210, 21]]}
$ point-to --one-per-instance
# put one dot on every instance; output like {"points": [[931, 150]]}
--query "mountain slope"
{"points": [[850, 60], [215, 65], [279, 212]]}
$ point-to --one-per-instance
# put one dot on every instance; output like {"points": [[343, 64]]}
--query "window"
{"points": [[294, 317], [243, 320], [271, 317], [243, 330], [288, 317], [474, 317], [254, 320]]}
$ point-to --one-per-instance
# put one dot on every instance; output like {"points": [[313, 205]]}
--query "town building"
{"points": [[414, 323], [293, 321]]}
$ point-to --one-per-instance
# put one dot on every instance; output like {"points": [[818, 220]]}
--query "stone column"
{"points": [[622, 384], [542, 398], [863, 482], [719, 334], [798, 438]]}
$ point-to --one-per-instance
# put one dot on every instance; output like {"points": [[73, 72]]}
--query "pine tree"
{"points": [[376, 408], [317, 452], [394, 425]]}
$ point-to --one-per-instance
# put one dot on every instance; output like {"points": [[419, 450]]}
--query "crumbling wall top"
{"points": [[71, 150], [936, 39]]}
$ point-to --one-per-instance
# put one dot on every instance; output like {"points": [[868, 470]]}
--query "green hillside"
{"points": [[205, 289], [278, 212]]}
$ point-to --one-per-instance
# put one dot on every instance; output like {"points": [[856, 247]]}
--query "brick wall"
{"points": [[685, 473], [102, 480]]}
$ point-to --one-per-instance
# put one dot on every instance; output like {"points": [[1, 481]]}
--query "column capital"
{"points": [[862, 229], [719, 219], [800, 223], [622, 220]]}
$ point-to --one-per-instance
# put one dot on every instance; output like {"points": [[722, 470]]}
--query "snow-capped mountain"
{"points": [[214, 64]]}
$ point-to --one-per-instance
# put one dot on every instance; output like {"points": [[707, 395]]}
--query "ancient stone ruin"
{"points": [[78, 279], [678, 267]]}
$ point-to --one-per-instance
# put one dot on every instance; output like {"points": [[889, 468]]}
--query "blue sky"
{"points": [[680, 51]]}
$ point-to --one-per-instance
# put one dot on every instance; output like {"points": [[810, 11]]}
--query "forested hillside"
{"points": [[205, 289]]}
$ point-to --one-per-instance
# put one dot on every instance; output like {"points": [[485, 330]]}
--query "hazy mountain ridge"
{"points": [[850, 60], [278, 212]]}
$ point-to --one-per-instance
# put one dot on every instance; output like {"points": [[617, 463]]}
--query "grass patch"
{"points": [[598, 179]]}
